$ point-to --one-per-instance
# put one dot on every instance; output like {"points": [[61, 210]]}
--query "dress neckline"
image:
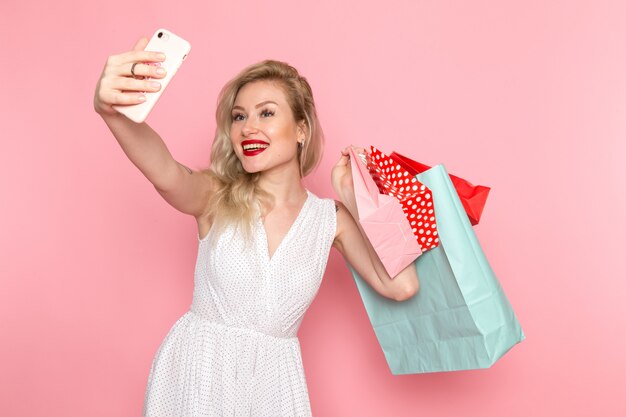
{"points": [[285, 238]]}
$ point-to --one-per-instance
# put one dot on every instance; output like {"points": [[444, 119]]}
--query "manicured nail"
{"points": [[160, 71], [155, 84], [161, 56], [141, 98]]}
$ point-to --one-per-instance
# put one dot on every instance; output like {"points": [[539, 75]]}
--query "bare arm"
{"points": [[356, 248], [185, 189]]}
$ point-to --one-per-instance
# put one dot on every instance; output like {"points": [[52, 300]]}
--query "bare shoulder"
{"points": [[211, 179], [344, 220]]}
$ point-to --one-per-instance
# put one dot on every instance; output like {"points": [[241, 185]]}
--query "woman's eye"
{"points": [[237, 117], [267, 113]]}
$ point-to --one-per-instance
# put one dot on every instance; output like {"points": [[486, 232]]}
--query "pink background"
{"points": [[525, 96]]}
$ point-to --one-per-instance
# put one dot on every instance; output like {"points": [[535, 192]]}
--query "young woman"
{"points": [[264, 239]]}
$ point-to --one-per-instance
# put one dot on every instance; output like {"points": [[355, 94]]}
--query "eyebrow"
{"points": [[257, 106]]}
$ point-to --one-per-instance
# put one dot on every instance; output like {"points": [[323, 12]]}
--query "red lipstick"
{"points": [[252, 147]]}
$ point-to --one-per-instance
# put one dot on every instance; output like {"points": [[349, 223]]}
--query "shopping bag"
{"points": [[383, 221], [473, 197], [460, 318], [414, 197]]}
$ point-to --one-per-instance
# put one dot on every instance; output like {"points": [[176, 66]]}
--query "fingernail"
{"points": [[160, 71], [141, 98], [161, 56], [155, 84]]}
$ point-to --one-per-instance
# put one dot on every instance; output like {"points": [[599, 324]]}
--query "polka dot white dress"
{"points": [[235, 352]]}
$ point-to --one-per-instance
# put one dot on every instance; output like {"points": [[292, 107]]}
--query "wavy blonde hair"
{"points": [[236, 196]]}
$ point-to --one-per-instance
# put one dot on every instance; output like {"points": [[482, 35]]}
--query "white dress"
{"points": [[235, 352]]}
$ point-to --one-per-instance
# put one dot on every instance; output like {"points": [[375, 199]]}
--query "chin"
{"points": [[247, 167]]}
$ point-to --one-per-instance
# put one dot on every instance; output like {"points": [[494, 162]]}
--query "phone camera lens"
{"points": [[160, 35]]}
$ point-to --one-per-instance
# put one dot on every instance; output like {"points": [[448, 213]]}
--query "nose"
{"points": [[249, 127]]}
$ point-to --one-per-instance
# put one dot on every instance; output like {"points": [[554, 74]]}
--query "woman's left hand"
{"points": [[341, 176]]}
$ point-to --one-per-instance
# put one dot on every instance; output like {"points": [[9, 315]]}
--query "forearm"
{"points": [[145, 148]]}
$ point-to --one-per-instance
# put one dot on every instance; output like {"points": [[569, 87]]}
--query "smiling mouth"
{"points": [[253, 147]]}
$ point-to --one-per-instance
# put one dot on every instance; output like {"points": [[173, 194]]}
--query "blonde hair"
{"points": [[236, 196]]}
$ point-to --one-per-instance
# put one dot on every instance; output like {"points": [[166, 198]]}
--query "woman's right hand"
{"points": [[117, 86]]}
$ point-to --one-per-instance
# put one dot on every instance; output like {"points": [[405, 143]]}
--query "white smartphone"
{"points": [[176, 50]]}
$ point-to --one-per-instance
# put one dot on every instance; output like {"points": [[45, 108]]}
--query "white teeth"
{"points": [[254, 146]]}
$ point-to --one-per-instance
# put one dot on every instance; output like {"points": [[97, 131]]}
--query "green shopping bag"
{"points": [[460, 318]]}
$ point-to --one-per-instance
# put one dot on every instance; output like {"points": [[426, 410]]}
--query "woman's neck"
{"points": [[284, 185]]}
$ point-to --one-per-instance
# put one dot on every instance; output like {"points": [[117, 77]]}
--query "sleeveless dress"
{"points": [[235, 352]]}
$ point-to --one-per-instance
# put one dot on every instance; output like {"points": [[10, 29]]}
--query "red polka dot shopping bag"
{"points": [[473, 197], [384, 220], [414, 197]]}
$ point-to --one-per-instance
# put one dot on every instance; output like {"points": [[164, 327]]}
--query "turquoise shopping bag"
{"points": [[460, 318]]}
